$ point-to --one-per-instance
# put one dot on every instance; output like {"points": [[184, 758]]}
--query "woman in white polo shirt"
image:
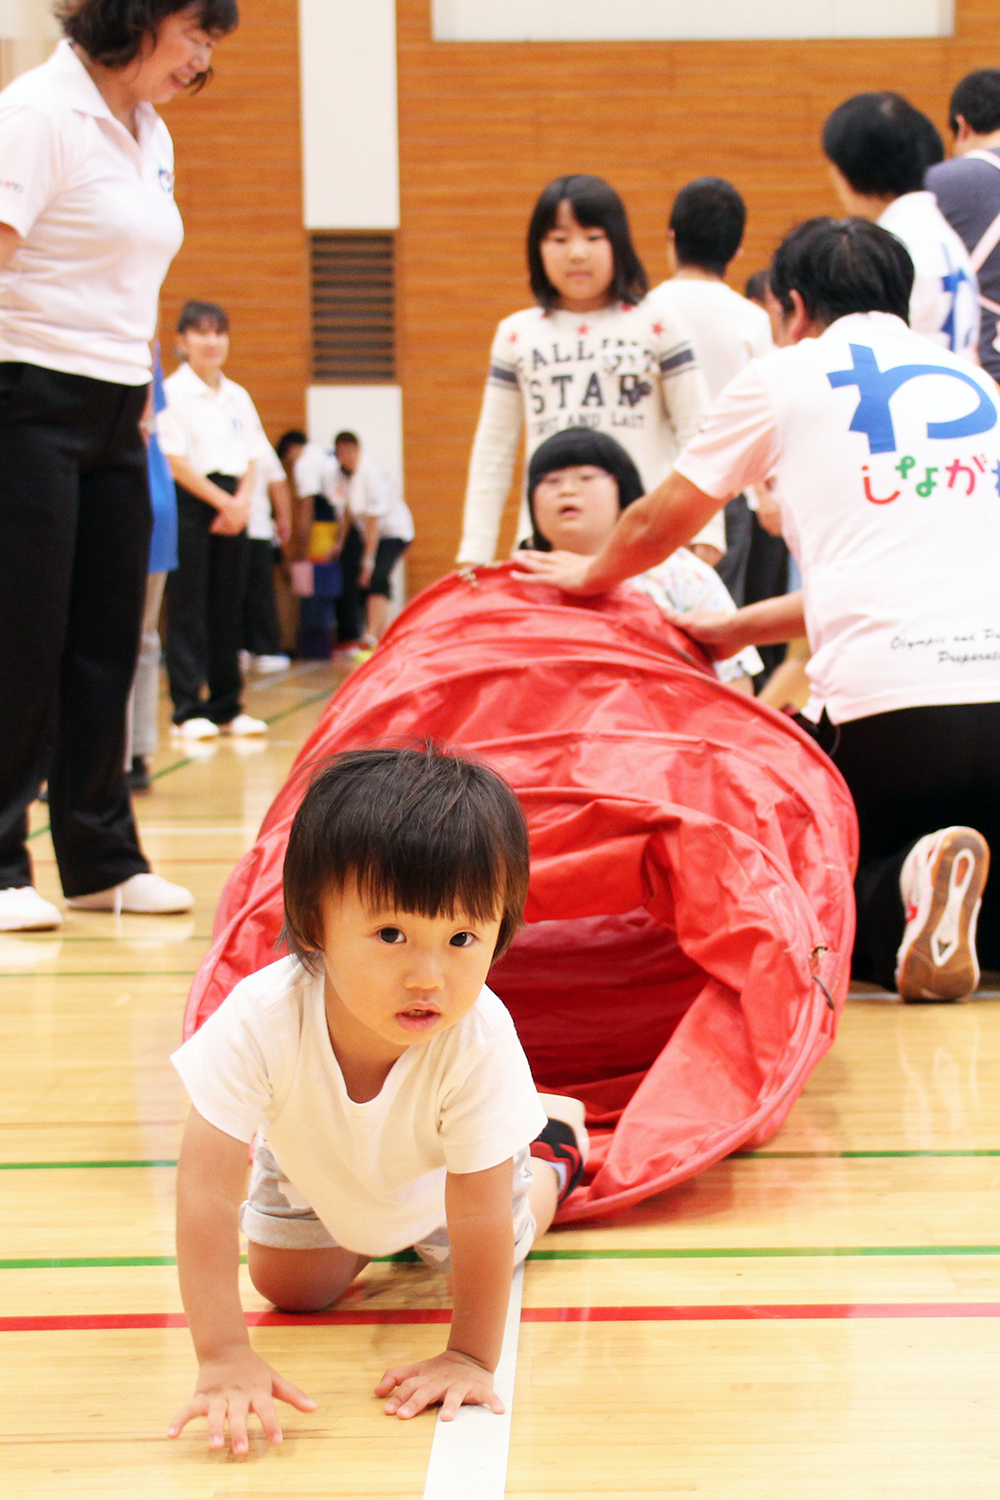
{"points": [[88, 228], [213, 439]]}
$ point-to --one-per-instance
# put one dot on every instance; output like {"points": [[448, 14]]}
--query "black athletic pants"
{"points": [[75, 523], [205, 611], [911, 772], [261, 626], [754, 567], [350, 604]]}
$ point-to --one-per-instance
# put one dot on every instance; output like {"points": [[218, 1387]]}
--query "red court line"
{"points": [[709, 1313]]}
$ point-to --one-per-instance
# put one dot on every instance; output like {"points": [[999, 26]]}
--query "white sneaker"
{"points": [[277, 663], [146, 892], [22, 909], [243, 724], [941, 884], [195, 729]]}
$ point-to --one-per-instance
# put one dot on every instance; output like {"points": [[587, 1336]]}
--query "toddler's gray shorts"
{"points": [[275, 1213]]}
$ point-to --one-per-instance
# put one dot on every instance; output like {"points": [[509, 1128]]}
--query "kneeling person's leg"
{"points": [[292, 1258]]}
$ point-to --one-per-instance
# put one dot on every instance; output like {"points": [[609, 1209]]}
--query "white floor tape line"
{"points": [[469, 1455]]}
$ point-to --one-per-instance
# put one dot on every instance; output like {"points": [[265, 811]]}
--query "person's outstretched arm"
{"points": [[769, 622], [481, 1232], [646, 533], [232, 1380]]}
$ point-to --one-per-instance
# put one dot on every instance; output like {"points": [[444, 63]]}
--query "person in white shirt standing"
{"points": [[212, 436], [707, 223], [88, 228], [887, 457], [591, 353], [377, 505], [880, 148]]}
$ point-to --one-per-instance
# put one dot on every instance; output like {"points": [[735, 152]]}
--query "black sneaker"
{"points": [[558, 1143], [137, 775]]}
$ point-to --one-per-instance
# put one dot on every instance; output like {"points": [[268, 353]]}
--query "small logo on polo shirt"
{"points": [[11, 187], [166, 180]]}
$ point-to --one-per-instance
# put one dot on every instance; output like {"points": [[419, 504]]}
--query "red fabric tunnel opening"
{"points": [[595, 1034]]}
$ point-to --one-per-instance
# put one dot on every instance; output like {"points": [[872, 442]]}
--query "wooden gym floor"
{"points": [[813, 1321]]}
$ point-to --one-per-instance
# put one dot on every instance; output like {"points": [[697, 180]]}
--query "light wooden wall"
{"points": [[239, 188], [484, 126]]}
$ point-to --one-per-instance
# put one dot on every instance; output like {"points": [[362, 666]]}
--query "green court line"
{"points": [[69, 1166], [190, 760], [41, 1166], [729, 1252]]}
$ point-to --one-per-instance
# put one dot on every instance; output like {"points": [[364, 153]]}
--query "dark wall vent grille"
{"points": [[353, 306]]}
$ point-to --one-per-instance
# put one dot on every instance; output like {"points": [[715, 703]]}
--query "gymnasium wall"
{"points": [[238, 146]]}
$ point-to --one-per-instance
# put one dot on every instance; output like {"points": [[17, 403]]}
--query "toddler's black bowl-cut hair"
{"points": [[419, 829]]}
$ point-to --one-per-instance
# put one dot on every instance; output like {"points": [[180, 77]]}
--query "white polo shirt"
{"points": [[886, 452], [217, 431], [98, 224], [317, 472]]}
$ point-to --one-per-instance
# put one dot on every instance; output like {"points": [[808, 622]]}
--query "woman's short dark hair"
{"points": [[841, 266], [579, 446], [882, 144], [112, 31], [203, 315], [708, 219], [976, 97], [419, 830], [595, 205]]}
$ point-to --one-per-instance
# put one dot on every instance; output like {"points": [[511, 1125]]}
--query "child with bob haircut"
{"points": [[592, 353], [579, 482], [383, 1084]]}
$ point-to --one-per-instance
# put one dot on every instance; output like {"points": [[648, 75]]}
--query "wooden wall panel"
{"points": [[484, 126], [239, 188]]}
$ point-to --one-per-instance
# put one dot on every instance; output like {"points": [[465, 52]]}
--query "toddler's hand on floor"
{"points": [[450, 1378], [230, 1388]]}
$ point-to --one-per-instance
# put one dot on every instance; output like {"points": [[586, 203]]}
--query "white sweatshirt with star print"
{"points": [[628, 371]]}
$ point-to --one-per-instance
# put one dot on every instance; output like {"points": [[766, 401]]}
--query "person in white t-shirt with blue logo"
{"points": [[88, 228], [886, 452], [880, 148], [383, 1085]]}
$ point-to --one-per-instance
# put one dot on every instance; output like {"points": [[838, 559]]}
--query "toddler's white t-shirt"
{"points": [[374, 1172]]}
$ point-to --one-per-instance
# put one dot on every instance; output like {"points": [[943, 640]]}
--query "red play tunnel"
{"points": [[691, 911]]}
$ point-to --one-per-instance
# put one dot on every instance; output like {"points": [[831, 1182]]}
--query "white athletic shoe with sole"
{"points": [[277, 663], [941, 883], [243, 724], [195, 729], [22, 909], [145, 892]]}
